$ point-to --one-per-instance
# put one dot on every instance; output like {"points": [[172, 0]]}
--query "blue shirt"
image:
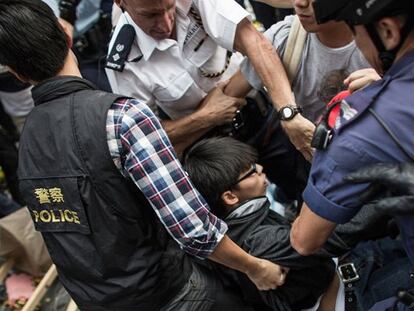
{"points": [[359, 140]]}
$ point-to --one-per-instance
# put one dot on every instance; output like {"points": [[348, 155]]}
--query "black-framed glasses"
{"points": [[252, 170]]}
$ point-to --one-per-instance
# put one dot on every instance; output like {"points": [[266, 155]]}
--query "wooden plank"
{"points": [[5, 268], [41, 289], [72, 306]]}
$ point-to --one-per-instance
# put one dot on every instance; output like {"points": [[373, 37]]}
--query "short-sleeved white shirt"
{"points": [[169, 74]]}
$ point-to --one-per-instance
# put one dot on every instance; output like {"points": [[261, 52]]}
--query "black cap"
{"points": [[360, 12]]}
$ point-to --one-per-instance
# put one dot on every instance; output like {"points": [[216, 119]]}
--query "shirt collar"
{"points": [[146, 43], [184, 6], [59, 86]]}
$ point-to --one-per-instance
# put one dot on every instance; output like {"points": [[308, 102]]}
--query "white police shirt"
{"points": [[170, 72]]}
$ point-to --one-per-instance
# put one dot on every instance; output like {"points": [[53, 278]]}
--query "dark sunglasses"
{"points": [[251, 171]]}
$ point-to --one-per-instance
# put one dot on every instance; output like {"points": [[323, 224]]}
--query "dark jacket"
{"points": [[265, 234], [110, 250]]}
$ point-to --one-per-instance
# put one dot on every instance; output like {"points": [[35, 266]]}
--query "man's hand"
{"points": [[300, 132], [267, 275], [263, 273], [361, 78], [218, 108], [391, 190]]}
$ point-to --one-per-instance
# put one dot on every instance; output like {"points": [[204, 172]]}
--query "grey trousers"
{"points": [[204, 292]]}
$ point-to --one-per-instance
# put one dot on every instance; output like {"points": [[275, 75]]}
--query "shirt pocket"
{"points": [[175, 89], [180, 97], [208, 57], [55, 204], [200, 48]]}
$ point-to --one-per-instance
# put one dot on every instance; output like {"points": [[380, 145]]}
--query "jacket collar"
{"points": [[59, 86], [248, 208]]}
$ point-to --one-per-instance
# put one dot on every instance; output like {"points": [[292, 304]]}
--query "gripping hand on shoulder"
{"points": [[392, 187]]}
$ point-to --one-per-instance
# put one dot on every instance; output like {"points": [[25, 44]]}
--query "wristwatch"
{"points": [[288, 112]]}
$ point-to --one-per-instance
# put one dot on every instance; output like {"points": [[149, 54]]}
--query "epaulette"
{"points": [[121, 49]]}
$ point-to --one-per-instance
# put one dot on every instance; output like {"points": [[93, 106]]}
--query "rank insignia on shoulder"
{"points": [[121, 48]]}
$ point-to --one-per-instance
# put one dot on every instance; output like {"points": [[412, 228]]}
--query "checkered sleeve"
{"points": [[142, 151]]}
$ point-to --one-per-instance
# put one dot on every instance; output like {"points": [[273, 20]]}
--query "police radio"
{"points": [[322, 134]]}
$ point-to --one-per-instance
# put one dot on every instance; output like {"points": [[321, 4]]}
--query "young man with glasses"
{"points": [[225, 171]]}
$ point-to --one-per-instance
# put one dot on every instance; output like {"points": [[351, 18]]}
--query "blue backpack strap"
{"points": [[121, 49]]}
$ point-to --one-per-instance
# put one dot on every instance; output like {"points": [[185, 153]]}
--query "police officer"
{"points": [[105, 189], [375, 125], [176, 52]]}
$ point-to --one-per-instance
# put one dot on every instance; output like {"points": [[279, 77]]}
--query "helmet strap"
{"points": [[387, 57]]}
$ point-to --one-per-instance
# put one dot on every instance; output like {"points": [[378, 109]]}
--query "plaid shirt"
{"points": [[142, 151]]}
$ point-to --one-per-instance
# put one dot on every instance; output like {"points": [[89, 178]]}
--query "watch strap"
{"points": [[295, 111]]}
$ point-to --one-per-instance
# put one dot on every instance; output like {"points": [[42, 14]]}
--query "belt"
{"points": [[349, 276]]}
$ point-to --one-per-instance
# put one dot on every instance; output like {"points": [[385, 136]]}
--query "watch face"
{"points": [[287, 112]]}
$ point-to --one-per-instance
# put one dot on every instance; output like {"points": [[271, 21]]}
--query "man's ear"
{"points": [[68, 29], [230, 198], [389, 29]]}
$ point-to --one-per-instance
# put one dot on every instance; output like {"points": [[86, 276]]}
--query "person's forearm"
{"points": [[185, 131], [237, 86], [269, 67], [266, 63], [231, 255], [309, 231], [216, 109]]}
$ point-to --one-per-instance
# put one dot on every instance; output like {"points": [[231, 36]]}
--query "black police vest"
{"points": [[110, 249]]}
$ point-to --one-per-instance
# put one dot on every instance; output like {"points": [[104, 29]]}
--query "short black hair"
{"points": [[215, 164], [33, 44]]}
